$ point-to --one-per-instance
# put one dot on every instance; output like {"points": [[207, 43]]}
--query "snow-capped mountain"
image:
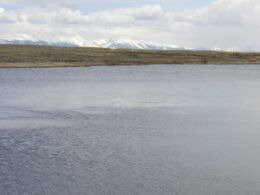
{"points": [[103, 43], [129, 44]]}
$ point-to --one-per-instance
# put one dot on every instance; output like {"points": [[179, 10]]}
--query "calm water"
{"points": [[130, 130]]}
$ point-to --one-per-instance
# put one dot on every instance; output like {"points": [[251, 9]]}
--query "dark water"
{"points": [[130, 130]]}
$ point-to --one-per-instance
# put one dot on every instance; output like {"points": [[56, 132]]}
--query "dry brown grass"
{"points": [[43, 56]]}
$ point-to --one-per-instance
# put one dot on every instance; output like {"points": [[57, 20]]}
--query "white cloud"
{"points": [[222, 24], [222, 12]]}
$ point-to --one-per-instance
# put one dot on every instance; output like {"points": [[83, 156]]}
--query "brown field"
{"points": [[45, 56]]}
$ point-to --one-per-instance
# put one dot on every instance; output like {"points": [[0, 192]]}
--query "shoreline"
{"points": [[35, 65]]}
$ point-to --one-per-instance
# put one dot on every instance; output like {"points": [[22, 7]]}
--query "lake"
{"points": [[160, 129]]}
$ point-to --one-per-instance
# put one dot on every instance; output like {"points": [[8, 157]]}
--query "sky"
{"points": [[209, 24]]}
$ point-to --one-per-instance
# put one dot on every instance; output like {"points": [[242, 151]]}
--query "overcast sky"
{"points": [[210, 24]]}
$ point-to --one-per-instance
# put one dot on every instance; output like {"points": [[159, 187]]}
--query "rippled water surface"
{"points": [[130, 130]]}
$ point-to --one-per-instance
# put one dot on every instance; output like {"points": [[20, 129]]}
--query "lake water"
{"points": [[130, 130]]}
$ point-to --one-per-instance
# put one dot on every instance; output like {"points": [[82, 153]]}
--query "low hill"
{"points": [[46, 56]]}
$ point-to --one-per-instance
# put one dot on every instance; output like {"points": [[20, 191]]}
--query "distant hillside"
{"points": [[46, 56], [39, 43]]}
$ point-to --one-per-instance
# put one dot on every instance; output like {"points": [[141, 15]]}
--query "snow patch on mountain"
{"points": [[129, 44]]}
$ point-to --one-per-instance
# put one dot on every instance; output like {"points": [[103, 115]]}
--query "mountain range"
{"points": [[117, 44], [130, 44], [103, 43], [42, 43]]}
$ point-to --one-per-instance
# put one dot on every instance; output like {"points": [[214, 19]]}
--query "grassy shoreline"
{"points": [[19, 56]]}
